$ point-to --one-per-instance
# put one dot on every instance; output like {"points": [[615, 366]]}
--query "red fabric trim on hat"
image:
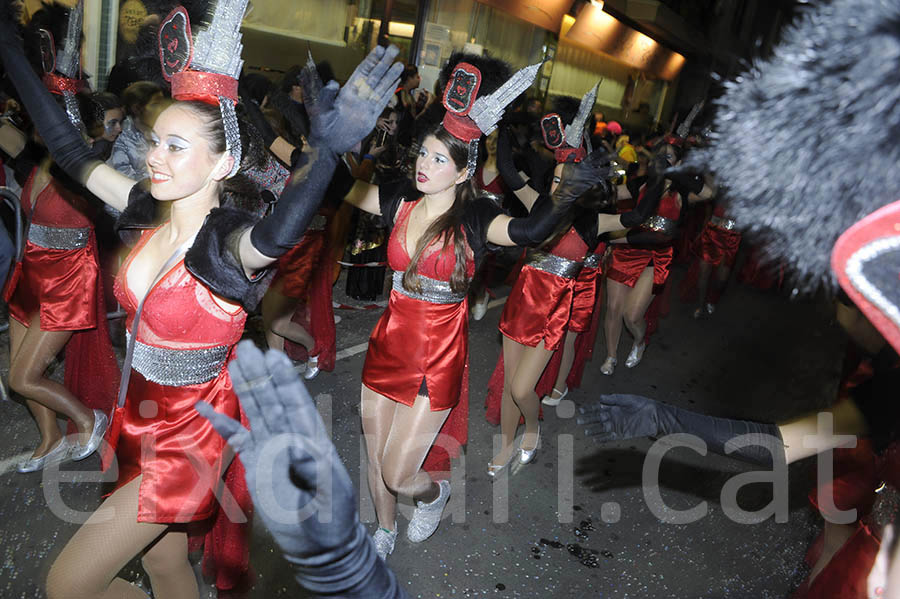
{"points": [[57, 84], [570, 154], [205, 87], [461, 127], [883, 223]]}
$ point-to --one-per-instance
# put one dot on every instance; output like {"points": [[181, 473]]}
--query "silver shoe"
{"points": [[384, 541], [609, 366], [479, 307], [79, 451], [312, 368], [636, 355], [427, 516], [526, 456], [549, 400], [58, 454], [494, 470]]}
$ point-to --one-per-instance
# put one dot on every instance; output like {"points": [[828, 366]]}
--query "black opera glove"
{"points": [[653, 192], [621, 416], [299, 486], [505, 165], [62, 139]]}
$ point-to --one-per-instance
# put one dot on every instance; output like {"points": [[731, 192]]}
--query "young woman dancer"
{"points": [[55, 298], [640, 268], [539, 307], [195, 301], [414, 375]]}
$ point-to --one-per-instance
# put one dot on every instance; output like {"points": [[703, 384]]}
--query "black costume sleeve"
{"points": [[391, 195], [214, 258], [476, 221]]}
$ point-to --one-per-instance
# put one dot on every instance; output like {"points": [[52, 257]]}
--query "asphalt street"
{"points": [[578, 521]]}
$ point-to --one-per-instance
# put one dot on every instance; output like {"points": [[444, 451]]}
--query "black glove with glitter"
{"points": [[62, 139], [620, 416], [299, 486], [577, 178]]}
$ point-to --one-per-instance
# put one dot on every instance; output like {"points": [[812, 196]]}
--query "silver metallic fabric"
{"points": [[178, 367], [232, 133], [72, 111], [472, 159], [722, 223], [575, 130], [561, 267], [53, 238], [661, 224], [487, 110], [592, 260], [68, 59], [433, 291], [217, 47]]}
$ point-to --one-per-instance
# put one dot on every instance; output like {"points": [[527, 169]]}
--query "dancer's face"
{"points": [[112, 123], [435, 169], [179, 160]]}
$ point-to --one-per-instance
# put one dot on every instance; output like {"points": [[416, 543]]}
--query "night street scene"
{"points": [[450, 298]]}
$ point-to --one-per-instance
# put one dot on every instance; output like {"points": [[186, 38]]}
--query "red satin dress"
{"points": [[719, 241], [162, 437], [540, 303], [60, 284], [417, 340], [587, 291], [628, 262]]}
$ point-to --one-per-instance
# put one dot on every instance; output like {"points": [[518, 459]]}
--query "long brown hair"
{"points": [[447, 226]]}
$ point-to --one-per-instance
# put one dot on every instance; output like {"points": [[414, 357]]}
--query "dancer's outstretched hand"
{"points": [[299, 486], [341, 117], [621, 416]]}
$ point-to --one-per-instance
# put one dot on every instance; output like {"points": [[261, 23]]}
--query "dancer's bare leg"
{"points": [[616, 296], [565, 363], [528, 371], [509, 411], [636, 305], [89, 564], [34, 350]]}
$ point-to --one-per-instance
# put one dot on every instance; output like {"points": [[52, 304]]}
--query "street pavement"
{"points": [[576, 522]]}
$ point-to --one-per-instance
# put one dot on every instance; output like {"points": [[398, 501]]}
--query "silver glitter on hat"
{"points": [[472, 161], [575, 129], [487, 110], [685, 127], [218, 47], [68, 61], [232, 133]]}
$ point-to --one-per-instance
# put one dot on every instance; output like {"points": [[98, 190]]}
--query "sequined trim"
{"points": [[661, 224], [433, 291], [178, 367], [592, 260], [561, 267], [318, 223], [722, 223], [54, 238]]}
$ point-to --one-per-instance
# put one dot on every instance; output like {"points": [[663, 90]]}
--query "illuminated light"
{"points": [[401, 29], [597, 4]]}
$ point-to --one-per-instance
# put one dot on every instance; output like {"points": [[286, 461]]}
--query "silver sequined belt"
{"points": [[53, 238], [723, 223], [556, 265], [593, 260], [178, 367], [661, 224], [432, 290]]}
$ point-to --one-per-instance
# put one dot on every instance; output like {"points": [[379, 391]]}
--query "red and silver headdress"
{"points": [[570, 143], [866, 260], [62, 68], [468, 116], [205, 66]]}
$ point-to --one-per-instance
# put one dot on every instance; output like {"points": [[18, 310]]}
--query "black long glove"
{"points": [[339, 119], [577, 178], [653, 193], [299, 486], [621, 416], [62, 139], [505, 164]]}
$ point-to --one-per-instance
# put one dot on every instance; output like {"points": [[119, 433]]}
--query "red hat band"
{"points": [[202, 86]]}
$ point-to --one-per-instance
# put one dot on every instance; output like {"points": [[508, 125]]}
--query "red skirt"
{"points": [[61, 285], [177, 450], [414, 341], [584, 300], [538, 309], [717, 246], [627, 263], [295, 268]]}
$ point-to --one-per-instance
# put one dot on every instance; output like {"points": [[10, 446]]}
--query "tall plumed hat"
{"points": [[204, 65], [60, 54], [473, 111], [569, 141]]}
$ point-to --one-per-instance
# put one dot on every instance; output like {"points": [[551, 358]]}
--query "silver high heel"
{"points": [[549, 400], [609, 366], [526, 456]]}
